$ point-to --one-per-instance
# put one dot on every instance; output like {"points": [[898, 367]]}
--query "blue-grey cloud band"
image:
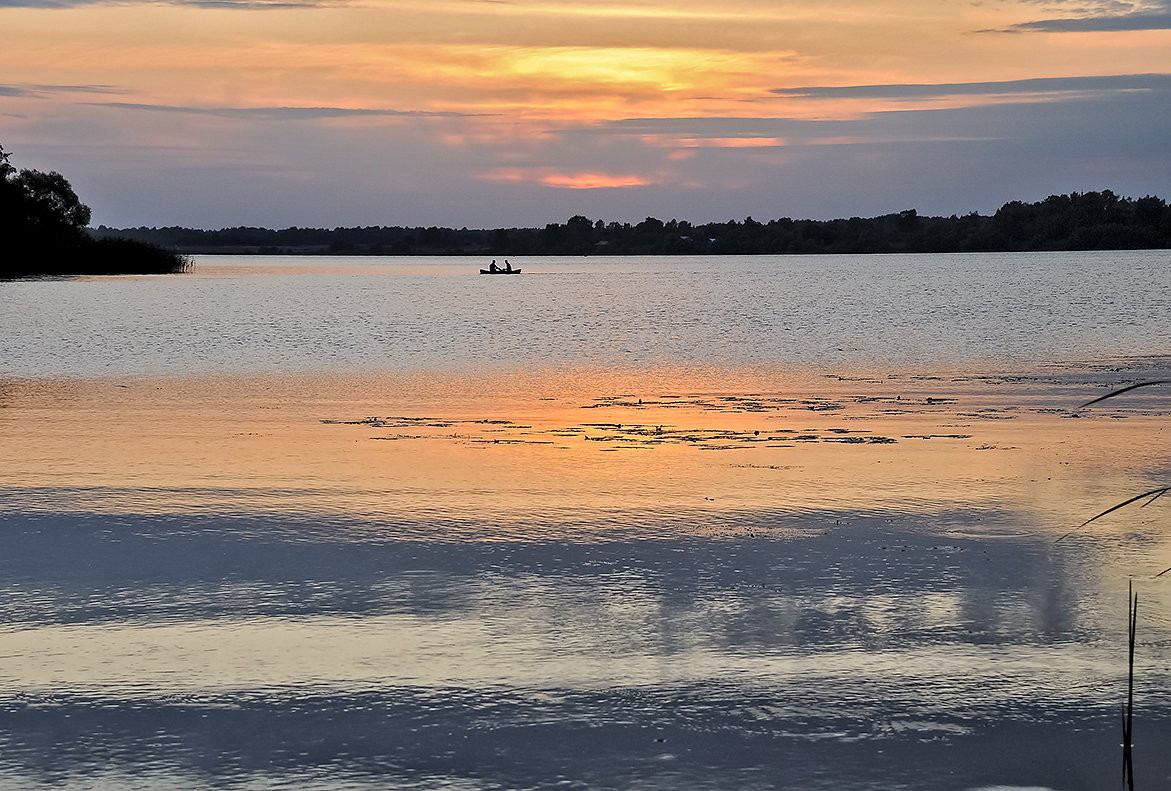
{"points": [[1103, 18], [1049, 85]]}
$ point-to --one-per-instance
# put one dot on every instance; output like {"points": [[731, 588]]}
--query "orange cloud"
{"points": [[591, 181], [664, 141], [574, 181]]}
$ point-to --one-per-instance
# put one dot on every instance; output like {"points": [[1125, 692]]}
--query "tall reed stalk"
{"points": [[1128, 710]]}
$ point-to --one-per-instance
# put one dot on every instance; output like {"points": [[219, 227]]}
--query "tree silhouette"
{"points": [[1077, 221], [43, 231], [51, 200]]}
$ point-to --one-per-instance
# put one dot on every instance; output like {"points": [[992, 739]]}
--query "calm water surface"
{"points": [[247, 314], [657, 523]]}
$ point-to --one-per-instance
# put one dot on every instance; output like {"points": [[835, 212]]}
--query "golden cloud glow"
{"points": [[687, 10], [608, 80], [547, 60]]}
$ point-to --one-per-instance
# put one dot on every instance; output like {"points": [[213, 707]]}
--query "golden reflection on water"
{"points": [[501, 447]]}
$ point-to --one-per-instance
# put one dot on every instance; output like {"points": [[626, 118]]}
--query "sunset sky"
{"points": [[488, 113]]}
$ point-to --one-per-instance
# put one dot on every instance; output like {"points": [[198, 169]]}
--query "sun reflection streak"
{"points": [[296, 445]]}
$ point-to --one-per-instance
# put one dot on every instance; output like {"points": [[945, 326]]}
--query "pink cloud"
{"points": [[575, 181]]}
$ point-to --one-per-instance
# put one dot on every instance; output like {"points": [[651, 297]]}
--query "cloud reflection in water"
{"points": [[239, 651]]}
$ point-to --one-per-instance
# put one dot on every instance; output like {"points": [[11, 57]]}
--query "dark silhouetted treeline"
{"points": [[43, 232], [1079, 221]]}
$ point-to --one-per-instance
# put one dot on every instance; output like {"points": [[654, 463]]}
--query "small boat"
{"points": [[500, 272]]}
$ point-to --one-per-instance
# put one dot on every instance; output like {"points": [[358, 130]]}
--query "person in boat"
{"points": [[507, 266], [492, 266]]}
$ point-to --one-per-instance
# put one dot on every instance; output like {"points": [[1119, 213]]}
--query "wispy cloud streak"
{"points": [[282, 113], [1056, 85], [37, 91], [274, 5]]}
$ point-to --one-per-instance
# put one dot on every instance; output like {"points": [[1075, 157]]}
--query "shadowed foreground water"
{"points": [[187, 652]]}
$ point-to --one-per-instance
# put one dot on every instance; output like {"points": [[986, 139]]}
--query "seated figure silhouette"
{"points": [[492, 266]]}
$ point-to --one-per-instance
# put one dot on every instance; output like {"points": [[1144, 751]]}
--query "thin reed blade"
{"points": [[1126, 389]]}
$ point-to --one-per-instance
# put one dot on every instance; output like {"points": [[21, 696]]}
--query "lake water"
{"points": [[617, 523], [249, 314]]}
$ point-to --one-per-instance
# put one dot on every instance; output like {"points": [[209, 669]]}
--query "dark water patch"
{"points": [[726, 736], [790, 577]]}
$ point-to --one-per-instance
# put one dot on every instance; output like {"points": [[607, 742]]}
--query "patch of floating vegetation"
{"points": [[764, 466], [615, 435], [937, 436], [861, 440]]}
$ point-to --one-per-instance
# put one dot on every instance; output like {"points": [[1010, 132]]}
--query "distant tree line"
{"points": [[43, 232], [1078, 221]]}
